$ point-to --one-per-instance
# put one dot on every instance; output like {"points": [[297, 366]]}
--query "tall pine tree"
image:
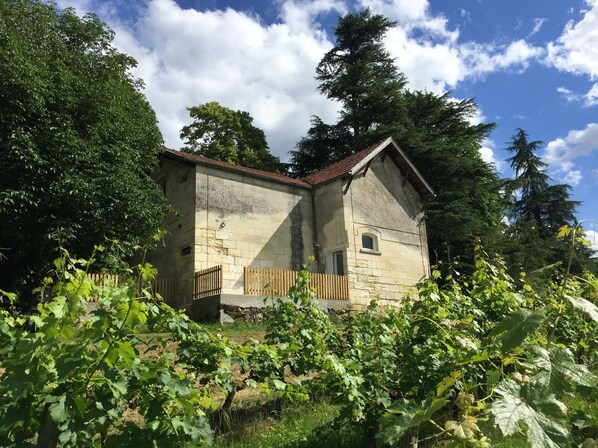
{"points": [[434, 130], [537, 210]]}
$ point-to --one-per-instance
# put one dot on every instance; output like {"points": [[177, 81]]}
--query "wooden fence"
{"points": [[165, 286], [207, 282], [276, 282]]}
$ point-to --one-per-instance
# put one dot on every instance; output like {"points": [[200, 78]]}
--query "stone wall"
{"points": [[383, 205], [235, 220], [244, 221], [331, 231], [175, 258]]}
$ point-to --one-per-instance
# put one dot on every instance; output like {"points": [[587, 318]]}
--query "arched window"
{"points": [[367, 241]]}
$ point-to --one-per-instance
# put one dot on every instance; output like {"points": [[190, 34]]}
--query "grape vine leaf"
{"points": [[464, 429], [447, 382], [402, 416], [584, 305], [543, 415], [557, 369], [513, 330]]}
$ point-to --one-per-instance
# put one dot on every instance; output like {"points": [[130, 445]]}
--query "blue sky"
{"points": [[531, 64]]}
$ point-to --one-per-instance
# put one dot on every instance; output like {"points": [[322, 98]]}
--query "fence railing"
{"points": [[207, 282], [165, 286], [276, 282]]}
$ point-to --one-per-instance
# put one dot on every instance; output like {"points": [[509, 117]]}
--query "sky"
{"points": [[529, 64]]}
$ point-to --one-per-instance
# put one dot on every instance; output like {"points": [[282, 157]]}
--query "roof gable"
{"points": [[354, 163]]}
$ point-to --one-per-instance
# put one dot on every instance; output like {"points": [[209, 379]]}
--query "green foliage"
{"points": [[323, 145], [540, 214], [223, 134], [460, 346], [515, 328], [74, 379], [543, 415], [78, 138], [482, 349], [359, 73], [404, 415]]}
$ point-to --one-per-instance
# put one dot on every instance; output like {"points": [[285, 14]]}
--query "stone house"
{"points": [[361, 218]]}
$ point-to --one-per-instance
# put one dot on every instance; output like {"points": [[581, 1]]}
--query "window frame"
{"points": [[375, 249], [335, 262]]}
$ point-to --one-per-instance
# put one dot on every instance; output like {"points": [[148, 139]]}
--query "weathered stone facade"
{"points": [[378, 204], [243, 221], [175, 257], [238, 217]]}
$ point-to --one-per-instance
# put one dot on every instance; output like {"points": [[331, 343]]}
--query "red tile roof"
{"points": [[236, 168], [334, 171], [341, 167]]}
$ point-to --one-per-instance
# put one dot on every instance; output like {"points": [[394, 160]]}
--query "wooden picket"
{"points": [[207, 282], [165, 286], [276, 282]]}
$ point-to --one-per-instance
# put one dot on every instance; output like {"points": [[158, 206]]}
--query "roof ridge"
{"points": [[238, 168], [341, 167]]}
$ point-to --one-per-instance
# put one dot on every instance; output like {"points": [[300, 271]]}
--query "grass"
{"points": [[290, 425], [239, 331], [258, 421]]}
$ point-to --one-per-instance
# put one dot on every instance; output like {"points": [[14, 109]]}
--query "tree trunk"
{"points": [[48, 431]]}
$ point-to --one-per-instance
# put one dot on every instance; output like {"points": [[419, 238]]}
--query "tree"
{"points": [[78, 139], [537, 210], [540, 205], [323, 145], [445, 146], [360, 74], [223, 134], [434, 130]]}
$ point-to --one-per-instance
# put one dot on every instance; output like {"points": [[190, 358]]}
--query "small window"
{"points": [[185, 251], [184, 178], [338, 263], [367, 242]]}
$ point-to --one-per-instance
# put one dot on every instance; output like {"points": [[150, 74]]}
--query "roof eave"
{"points": [[184, 159]]}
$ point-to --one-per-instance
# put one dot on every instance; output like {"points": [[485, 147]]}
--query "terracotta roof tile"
{"points": [[341, 167], [331, 172], [237, 168]]}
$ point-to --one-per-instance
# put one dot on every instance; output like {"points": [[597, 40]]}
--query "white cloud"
{"points": [[517, 54], [569, 95], [489, 156], [487, 147], [300, 15], [588, 99], [576, 50], [435, 59], [466, 15], [573, 178], [404, 11], [537, 25], [188, 57], [561, 153], [591, 97]]}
